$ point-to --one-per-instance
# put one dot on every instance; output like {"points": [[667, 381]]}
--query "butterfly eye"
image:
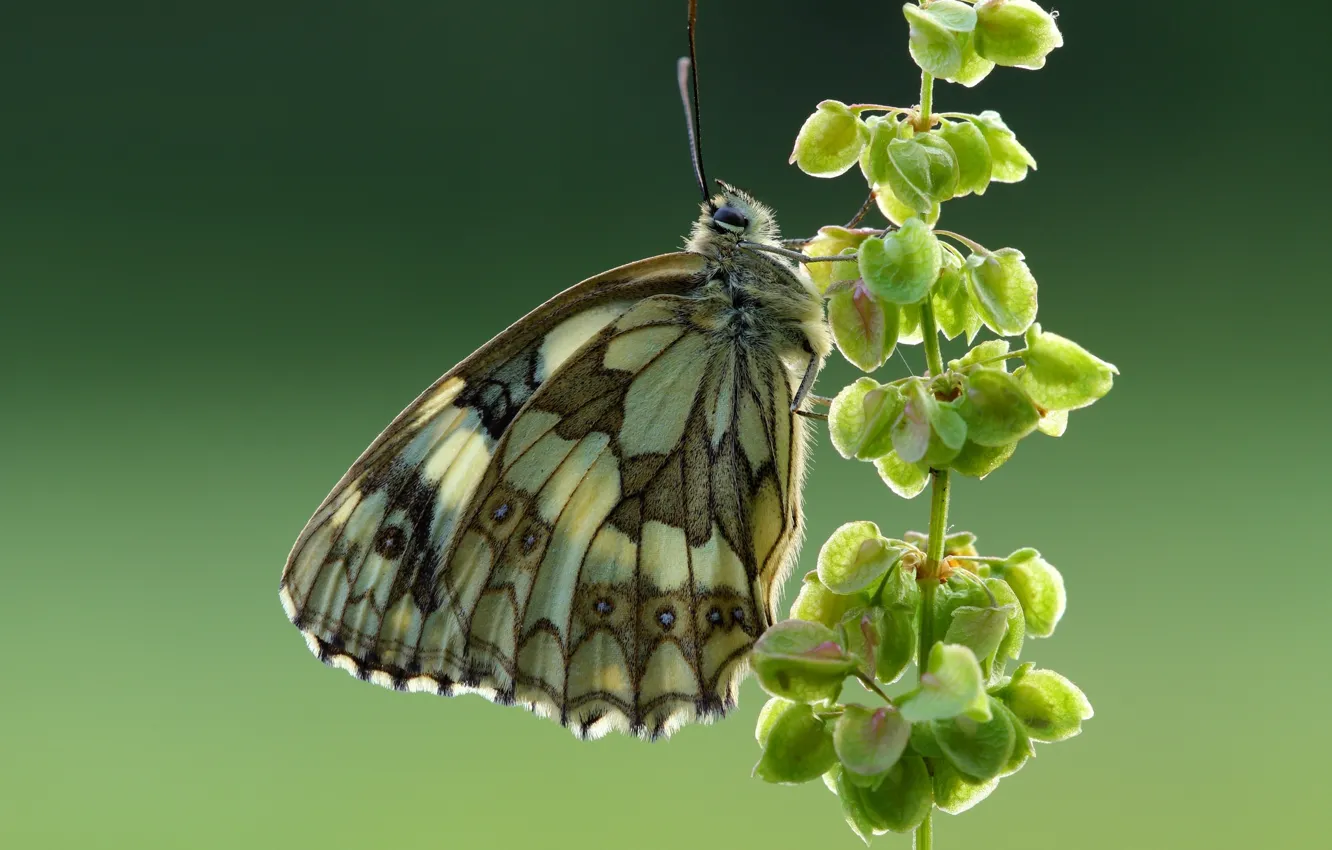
{"points": [[730, 218]]}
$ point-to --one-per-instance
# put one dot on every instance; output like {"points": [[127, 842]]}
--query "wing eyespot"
{"points": [[390, 541]]}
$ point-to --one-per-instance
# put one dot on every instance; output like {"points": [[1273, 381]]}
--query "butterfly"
{"points": [[593, 514]]}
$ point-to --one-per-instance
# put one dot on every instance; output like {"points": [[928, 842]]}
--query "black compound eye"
{"points": [[730, 218]]}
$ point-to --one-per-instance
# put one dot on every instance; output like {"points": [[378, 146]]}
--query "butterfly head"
{"points": [[730, 217]]}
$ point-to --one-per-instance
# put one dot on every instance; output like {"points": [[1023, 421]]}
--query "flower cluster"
{"points": [[967, 724], [876, 604]]}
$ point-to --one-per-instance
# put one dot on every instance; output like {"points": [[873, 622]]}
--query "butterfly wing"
{"points": [[383, 529], [617, 556]]}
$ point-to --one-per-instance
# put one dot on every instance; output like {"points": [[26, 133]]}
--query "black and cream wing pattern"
{"points": [[587, 517]]}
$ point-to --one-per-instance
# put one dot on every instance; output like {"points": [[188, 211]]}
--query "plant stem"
{"points": [[928, 576], [926, 102], [925, 834]]}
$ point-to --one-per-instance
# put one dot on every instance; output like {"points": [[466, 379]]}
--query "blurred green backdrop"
{"points": [[236, 239]]}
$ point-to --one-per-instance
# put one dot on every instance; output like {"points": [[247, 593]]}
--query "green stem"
{"points": [[928, 575], [926, 101], [925, 834]]}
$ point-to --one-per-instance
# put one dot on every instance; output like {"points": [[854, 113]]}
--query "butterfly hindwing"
{"points": [[378, 538]]}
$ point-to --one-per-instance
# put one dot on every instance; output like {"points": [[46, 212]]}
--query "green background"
{"points": [[235, 239]]}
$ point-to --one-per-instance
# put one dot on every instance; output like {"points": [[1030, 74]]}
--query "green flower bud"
{"points": [[1011, 159], [1048, 705], [980, 749], [1003, 290], [870, 741], [799, 748], [951, 685], [830, 141], [801, 661], [1062, 375], [1039, 587], [855, 557], [996, 408], [1015, 33], [902, 266]]}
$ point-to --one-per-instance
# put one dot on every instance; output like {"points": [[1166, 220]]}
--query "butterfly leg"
{"points": [[806, 384]]}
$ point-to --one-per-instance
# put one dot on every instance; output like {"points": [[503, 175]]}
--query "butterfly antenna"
{"points": [[686, 71]]}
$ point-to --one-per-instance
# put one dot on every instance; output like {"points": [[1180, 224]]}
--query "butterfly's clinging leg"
{"points": [[806, 384]]}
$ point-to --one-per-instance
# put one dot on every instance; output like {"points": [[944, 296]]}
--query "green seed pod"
{"points": [[981, 630], [801, 661], [1062, 375], [1010, 648], [974, 67], [830, 242], [936, 48], [1011, 159], [954, 791], [897, 643], [799, 748], [874, 164], [870, 741], [864, 328], [830, 140], [1050, 707], [953, 310], [1016, 33], [996, 409], [924, 170], [977, 461], [975, 163], [952, 685], [980, 749], [771, 712], [855, 557], [902, 799], [899, 213], [1039, 587], [902, 266], [1003, 290], [817, 604], [907, 480]]}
